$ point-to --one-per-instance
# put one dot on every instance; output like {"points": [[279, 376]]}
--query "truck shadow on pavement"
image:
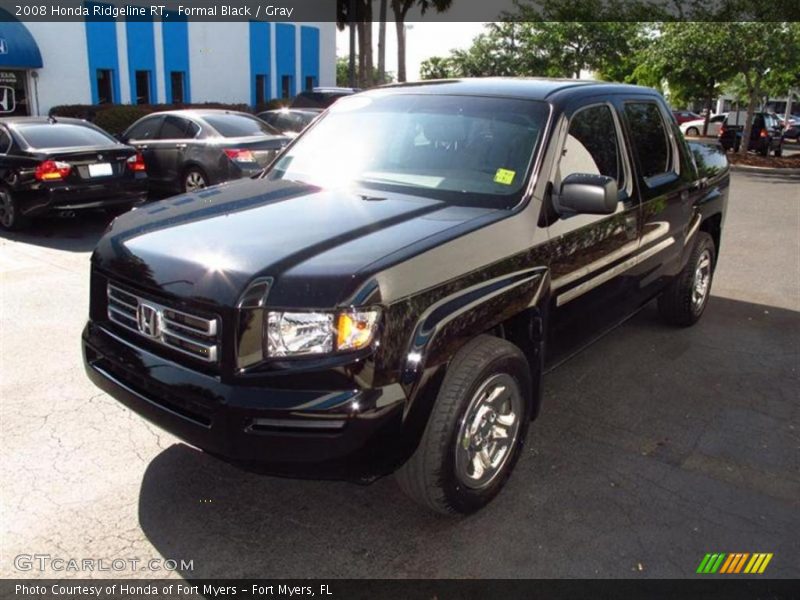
{"points": [[654, 446]]}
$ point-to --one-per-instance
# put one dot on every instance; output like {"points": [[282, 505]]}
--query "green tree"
{"points": [[436, 67], [585, 35], [694, 58], [762, 52]]}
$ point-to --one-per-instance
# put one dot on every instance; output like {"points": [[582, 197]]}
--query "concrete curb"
{"points": [[788, 172]]}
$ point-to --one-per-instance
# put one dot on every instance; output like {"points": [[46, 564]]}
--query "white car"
{"points": [[695, 128]]}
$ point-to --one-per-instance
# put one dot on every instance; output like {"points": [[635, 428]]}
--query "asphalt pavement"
{"points": [[655, 446]]}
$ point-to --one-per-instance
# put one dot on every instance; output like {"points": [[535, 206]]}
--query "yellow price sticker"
{"points": [[504, 176]]}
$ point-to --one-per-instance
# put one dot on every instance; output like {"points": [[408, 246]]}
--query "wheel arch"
{"points": [[512, 307]]}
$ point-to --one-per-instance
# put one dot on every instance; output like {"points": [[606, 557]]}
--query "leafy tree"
{"points": [[400, 10], [436, 67], [585, 35], [762, 52], [694, 58]]}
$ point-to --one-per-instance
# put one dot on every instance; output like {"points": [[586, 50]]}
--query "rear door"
{"points": [[592, 254], [666, 180], [172, 145]]}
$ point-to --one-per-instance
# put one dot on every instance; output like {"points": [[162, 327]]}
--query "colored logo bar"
{"points": [[735, 562]]}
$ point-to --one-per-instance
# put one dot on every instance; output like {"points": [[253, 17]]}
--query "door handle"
{"points": [[180, 145], [143, 146]]}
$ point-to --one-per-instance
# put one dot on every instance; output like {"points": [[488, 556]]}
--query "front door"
{"points": [[592, 254]]}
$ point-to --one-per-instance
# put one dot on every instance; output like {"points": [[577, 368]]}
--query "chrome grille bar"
{"points": [[183, 332]]}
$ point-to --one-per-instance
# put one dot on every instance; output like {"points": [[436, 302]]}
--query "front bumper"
{"points": [[336, 434]]}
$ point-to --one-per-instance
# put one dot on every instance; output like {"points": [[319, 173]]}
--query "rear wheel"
{"points": [[476, 431], [683, 302], [10, 216], [194, 180]]}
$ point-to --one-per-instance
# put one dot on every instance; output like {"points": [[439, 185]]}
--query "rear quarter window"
{"points": [[62, 135], [232, 125]]}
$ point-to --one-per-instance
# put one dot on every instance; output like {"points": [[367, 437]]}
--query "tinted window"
{"points": [[145, 130], [460, 149], [238, 125], [270, 118], [5, 141], [592, 145], [62, 135], [175, 128], [649, 137]]}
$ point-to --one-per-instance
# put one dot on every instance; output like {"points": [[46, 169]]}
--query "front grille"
{"points": [[180, 331]]}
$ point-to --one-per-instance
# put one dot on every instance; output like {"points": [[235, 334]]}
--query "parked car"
{"points": [[695, 128], [188, 150], [389, 293], [681, 116], [50, 165], [791, 127], [321, 97], [289, 121], [766, 134]]}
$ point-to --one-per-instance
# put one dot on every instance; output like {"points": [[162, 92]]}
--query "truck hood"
{"points": [[317, 244]]}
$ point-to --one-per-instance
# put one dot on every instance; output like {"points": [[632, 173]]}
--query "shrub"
{"points": [[118, 118]]}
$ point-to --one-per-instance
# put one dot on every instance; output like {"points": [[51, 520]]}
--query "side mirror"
{"points": [[583, 193]]}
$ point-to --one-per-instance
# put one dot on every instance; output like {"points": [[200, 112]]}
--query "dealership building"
{"points": [[171, 60]]}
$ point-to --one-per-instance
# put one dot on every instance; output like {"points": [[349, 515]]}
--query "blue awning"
{"points": [[17, 46]]}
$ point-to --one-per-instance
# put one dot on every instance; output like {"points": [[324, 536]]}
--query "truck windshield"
{"points": [[462, 149]]}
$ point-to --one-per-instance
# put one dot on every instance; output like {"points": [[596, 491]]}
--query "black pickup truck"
{"points": [[388, 294]]}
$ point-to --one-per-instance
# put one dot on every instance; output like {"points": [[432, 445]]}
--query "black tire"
{"points": [[197, 174], [678, 303], [693, 132], [779, 151], [10, 216], [430, 476]]}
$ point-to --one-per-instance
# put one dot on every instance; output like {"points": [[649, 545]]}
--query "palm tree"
{"points": [[400, 9]]}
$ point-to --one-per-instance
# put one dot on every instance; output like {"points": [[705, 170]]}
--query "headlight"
{"points": [[306, 333]]}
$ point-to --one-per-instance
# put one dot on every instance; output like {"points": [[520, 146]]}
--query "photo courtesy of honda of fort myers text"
{"points": [[399, 299]]}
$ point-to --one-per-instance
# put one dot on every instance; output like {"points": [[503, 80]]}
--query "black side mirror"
{"points": [[582, 193]]}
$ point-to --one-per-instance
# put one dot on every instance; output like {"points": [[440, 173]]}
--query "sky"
{"points": [[423, 40]]}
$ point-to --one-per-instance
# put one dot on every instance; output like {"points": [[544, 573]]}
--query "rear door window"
{"points": [[649, 136], [177, 128], [62, 135], [236, 125]]}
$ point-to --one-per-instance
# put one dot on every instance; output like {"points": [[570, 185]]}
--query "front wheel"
{"points": [[693, 132], [682, 303], [475, 432], [11, 217]]}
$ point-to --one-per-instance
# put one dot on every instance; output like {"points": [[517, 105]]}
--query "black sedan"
{"points": [[290, 121], [187, 150], [63, 165]]}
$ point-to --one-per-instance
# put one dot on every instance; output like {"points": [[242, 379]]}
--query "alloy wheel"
{"points": [[702, 280], [195, 181], [489, 431]]}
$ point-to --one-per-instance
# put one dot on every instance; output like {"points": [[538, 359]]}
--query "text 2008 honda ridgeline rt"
{"points": [[388, 294]]}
